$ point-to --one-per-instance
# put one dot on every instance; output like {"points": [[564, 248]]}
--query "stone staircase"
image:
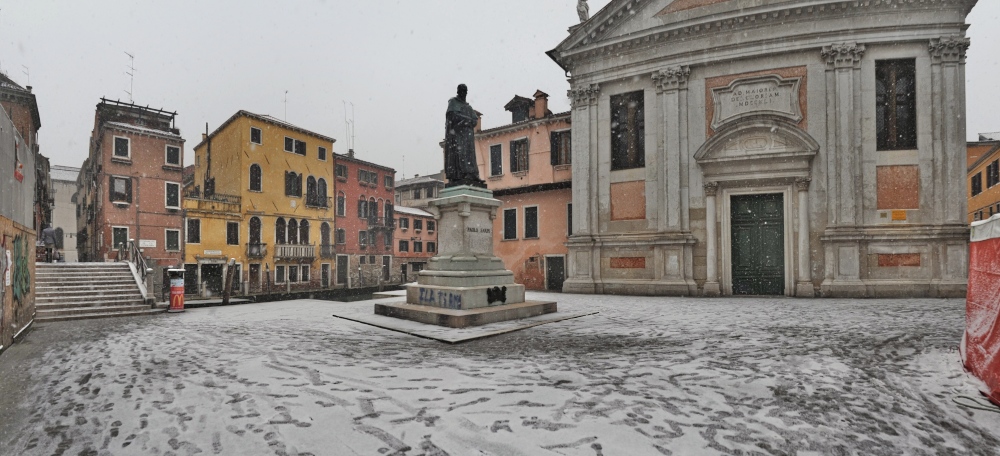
{"points": [[76, 291]]}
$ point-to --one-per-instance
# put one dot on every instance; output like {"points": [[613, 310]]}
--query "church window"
{"points": [[628, 142], [896, 104]]}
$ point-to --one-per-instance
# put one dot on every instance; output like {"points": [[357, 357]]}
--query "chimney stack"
{"points": [[541, 104], [350, 153], [28, 87], [204, 136]]}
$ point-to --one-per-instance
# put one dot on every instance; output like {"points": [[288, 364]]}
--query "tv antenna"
{"points": [[286, 106], [349, 125], [27, 75], [131, 76]]}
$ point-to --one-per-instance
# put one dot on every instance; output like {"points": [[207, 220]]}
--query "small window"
{"points": [[194, 231], [256, 184], [341, 205], [122, 147], [418, 246], [531, 222], [431, 247], [559, 142], [510, 224], [173, 195], [255, 135], [519, 155], [300, 147], [232, 233], [293, 274], [121, 190], [430, 226], [496, 160], [363, 239], [418, 224], [416, 193], [173, 240], [993, 173], [404, 246], [293, 184], [896, 104], [404, 223], [119, 236], [628, 136], [279, 274], [363, 259], [341, 236], [341, 171], [289, 144], [389, 182], [304, 277], [977, 184], [173, 156], [321, 153]]}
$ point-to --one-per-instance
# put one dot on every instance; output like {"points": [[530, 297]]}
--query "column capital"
{"points": [[711, 188], [583, 95], [949, 49], [843, 55], [802, 183], [671, 78]]}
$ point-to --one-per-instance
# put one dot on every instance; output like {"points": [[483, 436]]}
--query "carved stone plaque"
{"points": [[756, 95]]}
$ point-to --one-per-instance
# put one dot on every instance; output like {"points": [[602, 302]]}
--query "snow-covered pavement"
{"points": [[645, 376]]}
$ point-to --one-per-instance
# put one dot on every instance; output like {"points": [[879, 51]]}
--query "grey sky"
{"points": [[398, 61]]}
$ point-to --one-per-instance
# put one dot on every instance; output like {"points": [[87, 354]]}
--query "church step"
{"points": [[90, 300], [49, 312], [97, 314]]}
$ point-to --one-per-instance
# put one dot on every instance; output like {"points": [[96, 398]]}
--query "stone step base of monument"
{"points": [[465, 318], [464, 298]]}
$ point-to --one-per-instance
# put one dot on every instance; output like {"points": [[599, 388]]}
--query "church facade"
{"points": [[768, 147]]}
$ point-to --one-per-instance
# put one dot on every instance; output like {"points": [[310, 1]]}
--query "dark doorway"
{"points": [[555, 272], [325, 275], [341, 269], [211, 276], [254, 277], [758, 235], [386, 259], [403, 273], [191, 279]]}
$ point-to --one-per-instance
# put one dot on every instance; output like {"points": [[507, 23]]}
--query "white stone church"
{"points": [[769, 147]]}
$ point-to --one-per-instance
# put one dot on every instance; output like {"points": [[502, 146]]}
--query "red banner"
{"points": [[981, 344]]}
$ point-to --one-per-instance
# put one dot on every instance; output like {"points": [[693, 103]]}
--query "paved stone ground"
{"points": [[646, 376]]}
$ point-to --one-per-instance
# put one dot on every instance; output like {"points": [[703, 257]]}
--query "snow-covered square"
{"points": [[644, 376]]}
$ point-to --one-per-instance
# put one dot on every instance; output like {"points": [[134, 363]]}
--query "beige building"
{"points": [[64, 210], [774, 147]]}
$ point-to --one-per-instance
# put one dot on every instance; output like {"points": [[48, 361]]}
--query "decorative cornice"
{"points": [[671, 78], [949, 49], [802, 183], [711, 188], [525, 124], [582, 97], [843, 55]]}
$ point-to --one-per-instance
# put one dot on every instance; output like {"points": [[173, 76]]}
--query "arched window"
{"points": [[341, 236], [389, 213], [372, 209], [321, 190], [255, 179], [311, 199], [279, 231], [324, 233], [341, 204], [293, 231], [363, 207], [254, 230], [304, 232]]}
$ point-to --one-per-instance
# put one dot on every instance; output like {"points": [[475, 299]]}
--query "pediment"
{"points": [[760, 146], [618, 19]]}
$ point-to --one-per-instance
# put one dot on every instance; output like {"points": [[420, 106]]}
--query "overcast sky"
{"points": [[397, 61]]}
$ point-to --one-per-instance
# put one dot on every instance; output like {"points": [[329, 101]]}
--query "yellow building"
{"points": [[260, 195]]}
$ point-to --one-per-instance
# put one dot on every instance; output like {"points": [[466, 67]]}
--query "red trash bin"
{"points": [[176, 277]]}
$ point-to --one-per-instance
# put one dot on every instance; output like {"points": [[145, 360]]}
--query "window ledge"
{"points": [[496, 177], [121, 160], [520, 174], [121, 203], [506, 240], [531, 238], [563, 167], [169, 167]]}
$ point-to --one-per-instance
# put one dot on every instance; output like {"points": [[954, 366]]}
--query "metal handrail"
{"points": [[130, 252]]}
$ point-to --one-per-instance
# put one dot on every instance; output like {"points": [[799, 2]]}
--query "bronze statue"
{"points": [[460, 165]]}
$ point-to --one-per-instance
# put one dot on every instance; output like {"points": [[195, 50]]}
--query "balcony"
{"points": [[294, 252], [216, 202], [322, 202], [256, 251], [381, 223], [327, 251]]}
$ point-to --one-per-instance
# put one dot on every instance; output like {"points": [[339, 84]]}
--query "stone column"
{"points": [[803, 283], [843, 113], [948, 109], [583, 269], [671, 87], [711, 241]]}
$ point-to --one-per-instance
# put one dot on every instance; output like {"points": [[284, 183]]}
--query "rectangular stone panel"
{"points": [[628, 200], [898, 259], [628, 263], [898, 187]]}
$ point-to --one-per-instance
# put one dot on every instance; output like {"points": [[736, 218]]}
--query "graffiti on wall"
{"points": [[4, 272], [21, 279]]}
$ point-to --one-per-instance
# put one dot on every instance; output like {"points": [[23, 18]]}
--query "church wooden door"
{"points": [[758, 240]]}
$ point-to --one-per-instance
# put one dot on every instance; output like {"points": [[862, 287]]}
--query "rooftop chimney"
{"points": [[204, 136], [350, 153], [541, 104], [28, 87]]}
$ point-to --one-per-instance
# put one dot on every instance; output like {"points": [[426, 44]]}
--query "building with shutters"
{"points": [[822, 153], [984, 177], [365, 222], [527, 164], [418, 190], [260, 194], [130, 187]]}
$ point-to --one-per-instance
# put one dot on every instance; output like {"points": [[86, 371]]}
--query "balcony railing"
{"points": [[294, 252], [215, 197], [318, 201], [256, 250], [326, 251], [381, 223]]}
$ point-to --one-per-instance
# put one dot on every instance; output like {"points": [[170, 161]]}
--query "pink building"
{"points": [[527, 166], [416, 241]]}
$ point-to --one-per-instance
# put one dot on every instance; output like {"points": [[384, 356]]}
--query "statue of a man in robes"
{"points": [[583, 10], [460, 167]]}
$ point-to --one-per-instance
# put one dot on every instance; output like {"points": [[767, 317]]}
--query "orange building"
{"points": [[983, 161], [416, 241], [527, 166]]}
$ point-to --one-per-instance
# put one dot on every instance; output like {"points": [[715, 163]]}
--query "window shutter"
{"points": [[128, 190], [554, 148]]}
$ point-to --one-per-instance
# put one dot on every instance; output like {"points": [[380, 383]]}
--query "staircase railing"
{"points": [[130, 252]]}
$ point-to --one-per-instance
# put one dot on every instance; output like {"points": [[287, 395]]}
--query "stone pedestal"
{"points": [[465, 284]]}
